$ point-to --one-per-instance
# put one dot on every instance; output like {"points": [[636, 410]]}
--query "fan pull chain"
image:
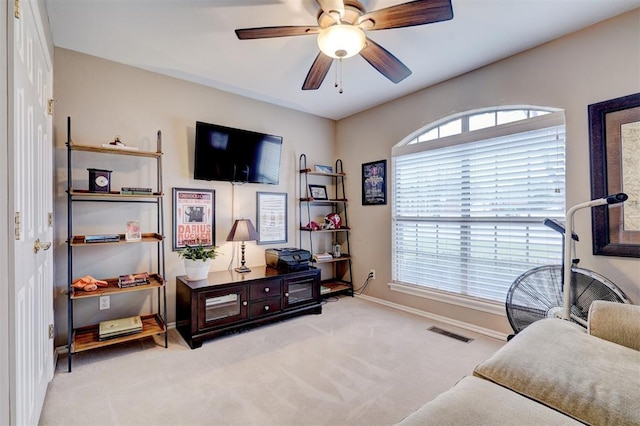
{"points": [[338, 76], [339, 71]]}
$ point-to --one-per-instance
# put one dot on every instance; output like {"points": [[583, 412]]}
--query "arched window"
{"points": [[470, 193]]}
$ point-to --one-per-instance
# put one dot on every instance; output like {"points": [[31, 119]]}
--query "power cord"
{"points": [[364, 285]]}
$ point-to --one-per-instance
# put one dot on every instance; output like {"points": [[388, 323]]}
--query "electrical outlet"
{"points": [[105, 302], [372, 274]]}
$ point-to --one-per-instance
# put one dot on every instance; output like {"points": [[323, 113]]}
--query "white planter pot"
{"points": [[197, 269]]}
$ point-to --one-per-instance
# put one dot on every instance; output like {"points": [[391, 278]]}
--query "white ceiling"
{"points": [[194, 40]]}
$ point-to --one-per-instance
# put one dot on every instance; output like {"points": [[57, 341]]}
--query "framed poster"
{"points": [[374, 183], [271, 221], [614, 136], [193, 217]]}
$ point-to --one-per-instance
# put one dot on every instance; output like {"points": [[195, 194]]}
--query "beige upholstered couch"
{"points": [[552, 373]]}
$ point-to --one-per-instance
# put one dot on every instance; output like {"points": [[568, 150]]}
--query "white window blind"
{"points": [[467, 214]]}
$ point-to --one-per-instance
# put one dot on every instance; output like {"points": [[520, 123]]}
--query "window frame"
{"points": [[544, 118]]}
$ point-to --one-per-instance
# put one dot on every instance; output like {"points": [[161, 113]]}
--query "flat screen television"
{"points": [[235, 155]]}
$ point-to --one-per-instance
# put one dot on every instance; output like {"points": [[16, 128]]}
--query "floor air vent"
{"points": [[450, 334]]}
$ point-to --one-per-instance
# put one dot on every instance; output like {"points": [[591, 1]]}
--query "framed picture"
{"points": [[323, 169], [271, 220], [318, 192], [614, 136], [193, 217], [374, 183], [133, 231]]}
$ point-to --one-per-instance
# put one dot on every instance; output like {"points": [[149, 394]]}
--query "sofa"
{"points": [[554, 372]]}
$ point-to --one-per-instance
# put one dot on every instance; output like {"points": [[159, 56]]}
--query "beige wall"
{"points": [[593, 65], [105, 99]]}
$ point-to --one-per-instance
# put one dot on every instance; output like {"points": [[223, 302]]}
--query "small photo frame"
{"points": [[318, 192], [374, 183], [323, 169], [133, 231]]}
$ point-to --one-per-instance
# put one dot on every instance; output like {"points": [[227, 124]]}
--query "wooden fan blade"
{"points": [[332, 7], [418, 12], [272, 32], [387, 64], [317, 72]]}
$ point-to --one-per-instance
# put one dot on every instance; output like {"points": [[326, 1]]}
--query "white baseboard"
{"points": [[460, 324]]}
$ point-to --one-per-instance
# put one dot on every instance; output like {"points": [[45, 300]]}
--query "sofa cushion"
{"points": [[558, 364], [475, 401], [616, 322]]}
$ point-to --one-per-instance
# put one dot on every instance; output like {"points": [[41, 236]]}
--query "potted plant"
{"points": [[197, 260]]}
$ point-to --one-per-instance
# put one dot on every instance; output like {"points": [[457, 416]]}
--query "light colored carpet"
{"points": [[358, 363]]}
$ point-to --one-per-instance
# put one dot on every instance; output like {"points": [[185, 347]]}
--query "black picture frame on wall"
{"points": [[612, 163], [194, 217], [374, 183]]}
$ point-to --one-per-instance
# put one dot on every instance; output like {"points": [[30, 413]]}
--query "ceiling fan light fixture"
{"points": [[341, 41]]}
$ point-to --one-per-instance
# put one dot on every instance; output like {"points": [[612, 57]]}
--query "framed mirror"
{"points": [[614, 136]]}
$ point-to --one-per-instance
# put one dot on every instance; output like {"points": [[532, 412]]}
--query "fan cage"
{"points": [[537, 294]]}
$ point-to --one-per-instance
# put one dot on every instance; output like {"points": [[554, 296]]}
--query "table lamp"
{"points": [[242, 230]]}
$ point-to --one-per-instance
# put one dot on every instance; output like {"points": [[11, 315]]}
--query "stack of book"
{"points": [[101, 238], [119, 327], [322, 257], [132, 280], [131, 190]]}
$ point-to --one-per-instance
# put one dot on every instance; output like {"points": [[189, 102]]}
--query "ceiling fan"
{"points": [[341, 34]]}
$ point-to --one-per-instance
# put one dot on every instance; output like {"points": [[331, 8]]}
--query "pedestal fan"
{"points": [[540, 292]]}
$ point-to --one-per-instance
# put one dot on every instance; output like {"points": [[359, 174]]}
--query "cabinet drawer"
{"points": [[264, 307], [267, 288]]}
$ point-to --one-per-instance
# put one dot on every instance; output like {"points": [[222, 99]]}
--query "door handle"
{"points": [[39, 245]]}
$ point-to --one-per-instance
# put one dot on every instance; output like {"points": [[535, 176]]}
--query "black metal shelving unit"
{"points": [[340, 280], [86, 338]]}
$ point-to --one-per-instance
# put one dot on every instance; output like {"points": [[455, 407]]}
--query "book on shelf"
{"points": [[119, 327], [322, 257], [129, 190], [133, 231], [132, 280], [110, 238]]}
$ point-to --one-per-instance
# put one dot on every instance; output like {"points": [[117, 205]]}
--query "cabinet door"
{"points": [[301, 290], [223, 306]]}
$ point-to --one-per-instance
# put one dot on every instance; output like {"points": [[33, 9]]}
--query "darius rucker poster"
{"points": [[193, 217]]}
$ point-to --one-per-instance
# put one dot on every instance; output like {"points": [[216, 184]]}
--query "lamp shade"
{"points": [[242, 230], [341, 41]]}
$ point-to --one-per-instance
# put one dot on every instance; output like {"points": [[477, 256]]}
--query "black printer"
{"points": [[289, 259]]}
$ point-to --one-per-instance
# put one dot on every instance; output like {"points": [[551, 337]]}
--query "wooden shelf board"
{"points": [[116, 151], [331, 287], [305, 228], [323, 202], [78, 240], [112, 194], [156, 282], [313, 172], [334, 259], [86, 338]]}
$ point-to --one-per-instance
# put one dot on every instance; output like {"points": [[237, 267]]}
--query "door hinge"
{"points": [[16, 9], [50, 106], [16, 226], [50, 219], [50, 331]]}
